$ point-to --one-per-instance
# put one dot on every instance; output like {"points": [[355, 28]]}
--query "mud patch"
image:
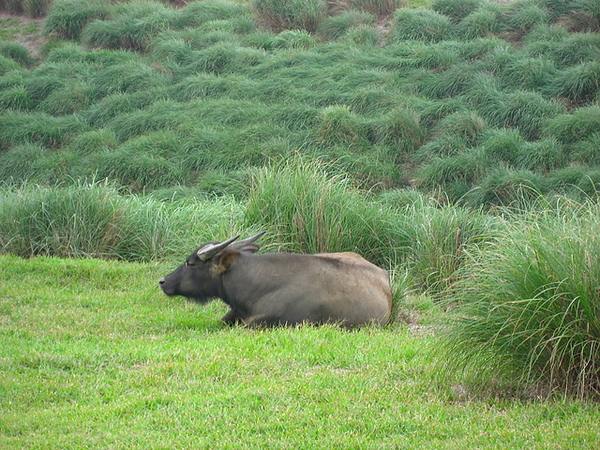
{"points": [[25, 30]]}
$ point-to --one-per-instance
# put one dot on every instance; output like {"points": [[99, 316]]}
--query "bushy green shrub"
{"points": [[528, 306], [422, 25]]}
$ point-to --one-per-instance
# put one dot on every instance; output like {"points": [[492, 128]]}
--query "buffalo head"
{"points": [[198, 278]]}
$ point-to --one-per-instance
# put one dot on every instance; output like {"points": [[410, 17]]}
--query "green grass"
{"points": [[528, 304], [377, 101], [93, 355]]}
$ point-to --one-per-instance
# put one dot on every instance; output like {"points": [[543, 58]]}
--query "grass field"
{"points": [[94, 356]]}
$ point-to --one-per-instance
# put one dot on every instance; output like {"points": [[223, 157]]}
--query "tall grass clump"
{"points": [[505, 186], [456, 174], [442, 238], [456, 9], [341, 126], [38, 127], [528, 305], [483, 22], [197, 13], [584, 16], [336, 26], [17, 52], [422, 25], [279, 15], [529, 73], [579, 84], [94, 220], [312, 211], [524, 16], [525, 110], [67, 18], [379, 8], [576, 48], [137, 170], [579, 125], [70, 222], [131, 26], [401, 129]]}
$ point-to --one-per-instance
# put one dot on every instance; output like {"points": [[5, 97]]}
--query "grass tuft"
{"points": [[421, 25], [528, 306], [67, 18], [312, 211], [290, 15]]}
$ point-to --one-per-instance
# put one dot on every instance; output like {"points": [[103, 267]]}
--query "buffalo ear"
{"points": [[250, 248], [224, 261]]}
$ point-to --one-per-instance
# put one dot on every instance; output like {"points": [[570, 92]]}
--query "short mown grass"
{"points": [[93, 355]]}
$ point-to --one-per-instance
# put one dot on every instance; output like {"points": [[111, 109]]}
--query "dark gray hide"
{"points": [[283, 288]]}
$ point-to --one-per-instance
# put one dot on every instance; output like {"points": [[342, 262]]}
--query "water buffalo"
{"points": [[283, 288]]}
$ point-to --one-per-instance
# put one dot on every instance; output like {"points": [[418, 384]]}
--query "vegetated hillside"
{"points": [[465, 95], [310, 125]]}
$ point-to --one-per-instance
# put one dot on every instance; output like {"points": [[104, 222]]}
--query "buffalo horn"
{"points": [[208, 251], [250, 240]]}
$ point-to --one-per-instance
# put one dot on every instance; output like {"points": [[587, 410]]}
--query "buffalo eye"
{"points": [[189, 263]]}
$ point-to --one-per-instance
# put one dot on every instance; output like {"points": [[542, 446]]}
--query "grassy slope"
{"points": [[93, 356]]}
